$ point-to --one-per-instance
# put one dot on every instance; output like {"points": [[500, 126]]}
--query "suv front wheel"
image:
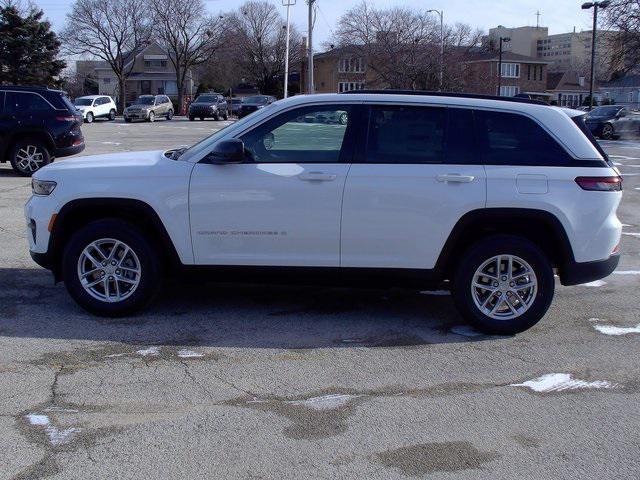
{"points": [[110, 268], [503, 284], [28, 156]]}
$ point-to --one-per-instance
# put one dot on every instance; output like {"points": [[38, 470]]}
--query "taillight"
{"points": [[600, 184], [66, 119]]}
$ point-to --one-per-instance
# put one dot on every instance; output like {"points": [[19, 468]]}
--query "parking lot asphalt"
{"points": [[220, 381]]}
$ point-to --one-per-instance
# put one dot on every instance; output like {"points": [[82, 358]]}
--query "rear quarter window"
{"points": [[513, 139]]}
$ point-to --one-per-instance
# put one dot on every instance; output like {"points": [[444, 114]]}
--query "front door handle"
{"points": [[317, 177], [455, 178]]}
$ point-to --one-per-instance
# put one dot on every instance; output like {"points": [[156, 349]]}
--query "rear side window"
{"points": [[512, 139], [25, 103], [580, 123], [406, 134]]}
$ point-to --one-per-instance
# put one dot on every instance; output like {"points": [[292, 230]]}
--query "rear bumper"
{"points": [[66, 151], [575, 273]]}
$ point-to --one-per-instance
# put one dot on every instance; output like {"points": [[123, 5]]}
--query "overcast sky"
{"points": [[559, 15]]}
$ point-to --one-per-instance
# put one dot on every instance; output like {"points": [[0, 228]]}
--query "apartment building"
{"points": [[520, 74], [337, 70]]}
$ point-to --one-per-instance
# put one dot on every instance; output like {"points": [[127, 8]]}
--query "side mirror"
{"points": [[226, 151]]}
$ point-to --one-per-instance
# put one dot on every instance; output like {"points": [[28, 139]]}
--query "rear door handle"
{"points": [[455, 178], [317, 176]]}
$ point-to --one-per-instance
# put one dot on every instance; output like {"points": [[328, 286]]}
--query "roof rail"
{"points": [[449, 94], [29, 87]]}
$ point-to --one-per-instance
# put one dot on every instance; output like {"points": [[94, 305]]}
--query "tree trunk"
{"points": [[122, 101]]}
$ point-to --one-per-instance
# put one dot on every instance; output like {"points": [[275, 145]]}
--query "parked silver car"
{"points": [[148, 108]]}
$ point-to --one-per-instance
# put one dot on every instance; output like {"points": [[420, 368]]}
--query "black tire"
{"points": [[202, 119], [607, 132], [127, 120], [225, 116], [22, 149], [112, 115], [152, 117], [484, 250], [169, 114], [191, 119], [140, 244], [89, 118]]}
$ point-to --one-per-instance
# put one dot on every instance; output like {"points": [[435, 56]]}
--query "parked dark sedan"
{"points": [[627, 125], [251, 104], [209, 105], [601, 120]]}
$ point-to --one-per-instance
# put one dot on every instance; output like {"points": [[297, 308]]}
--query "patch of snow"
{"points": [[325, 402], [114, 355], [559, 382], [618, 164], [437, 293], [466, 331], [39, 420], [55, 435], [184, 353], [626, 225], [111, 143], [632, 234], [616, 331], [595, 283], [627, 272], [151, 351]]}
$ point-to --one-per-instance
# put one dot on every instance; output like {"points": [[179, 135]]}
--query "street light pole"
{"points": [[288, 4], [502, 40], [441, 14], [310, 88], [595, 6]]}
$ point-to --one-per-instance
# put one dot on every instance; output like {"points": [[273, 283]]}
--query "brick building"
{"points": [[520, 74]]}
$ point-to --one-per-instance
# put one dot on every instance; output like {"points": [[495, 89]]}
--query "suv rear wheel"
{"points": [[110, 268], [28, 156], [112, 114], [503, 284]]}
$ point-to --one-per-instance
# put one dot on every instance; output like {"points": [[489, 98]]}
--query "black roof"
{"points": [[449, 94]]}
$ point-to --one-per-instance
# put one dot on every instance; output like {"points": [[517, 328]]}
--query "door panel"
{"points": [[267, 214], [400, 216], [282, 206]]}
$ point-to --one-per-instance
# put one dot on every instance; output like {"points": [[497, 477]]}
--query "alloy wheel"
{"points": [[504, 287], [109, 270], [29, 158]]}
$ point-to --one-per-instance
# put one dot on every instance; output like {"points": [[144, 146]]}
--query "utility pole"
{"points": [[310, 87], [441, 14], [288, 4], [502, 40], [595, 6]]}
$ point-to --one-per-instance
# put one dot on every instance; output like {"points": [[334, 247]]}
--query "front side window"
{"points": [[406, 134], [305, 135], [513, 139]]}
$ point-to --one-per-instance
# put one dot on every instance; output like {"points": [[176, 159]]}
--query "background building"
{"points": [[520, 74]]}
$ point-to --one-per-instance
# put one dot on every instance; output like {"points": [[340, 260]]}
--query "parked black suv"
{"points": [[209, 105], [251, 104], [37, 124]]}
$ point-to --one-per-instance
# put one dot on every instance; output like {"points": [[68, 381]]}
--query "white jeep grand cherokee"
{"points": [[491, 195]]}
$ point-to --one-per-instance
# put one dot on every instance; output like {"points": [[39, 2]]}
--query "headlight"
{"points": [[42, 187]]}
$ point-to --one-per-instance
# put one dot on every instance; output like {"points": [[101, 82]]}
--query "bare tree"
{"points": [[113, 31], [402, 46], [259, 38], [188, 34], [624, 16]]}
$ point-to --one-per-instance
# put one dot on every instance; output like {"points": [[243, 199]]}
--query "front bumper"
{"points": [[576, 273], [136, 116]]}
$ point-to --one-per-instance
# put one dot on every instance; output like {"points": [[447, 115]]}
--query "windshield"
{"points": [[206, 99], [83, 102], [144, 101], [258, 99], [236, 100], [604, 111]]}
